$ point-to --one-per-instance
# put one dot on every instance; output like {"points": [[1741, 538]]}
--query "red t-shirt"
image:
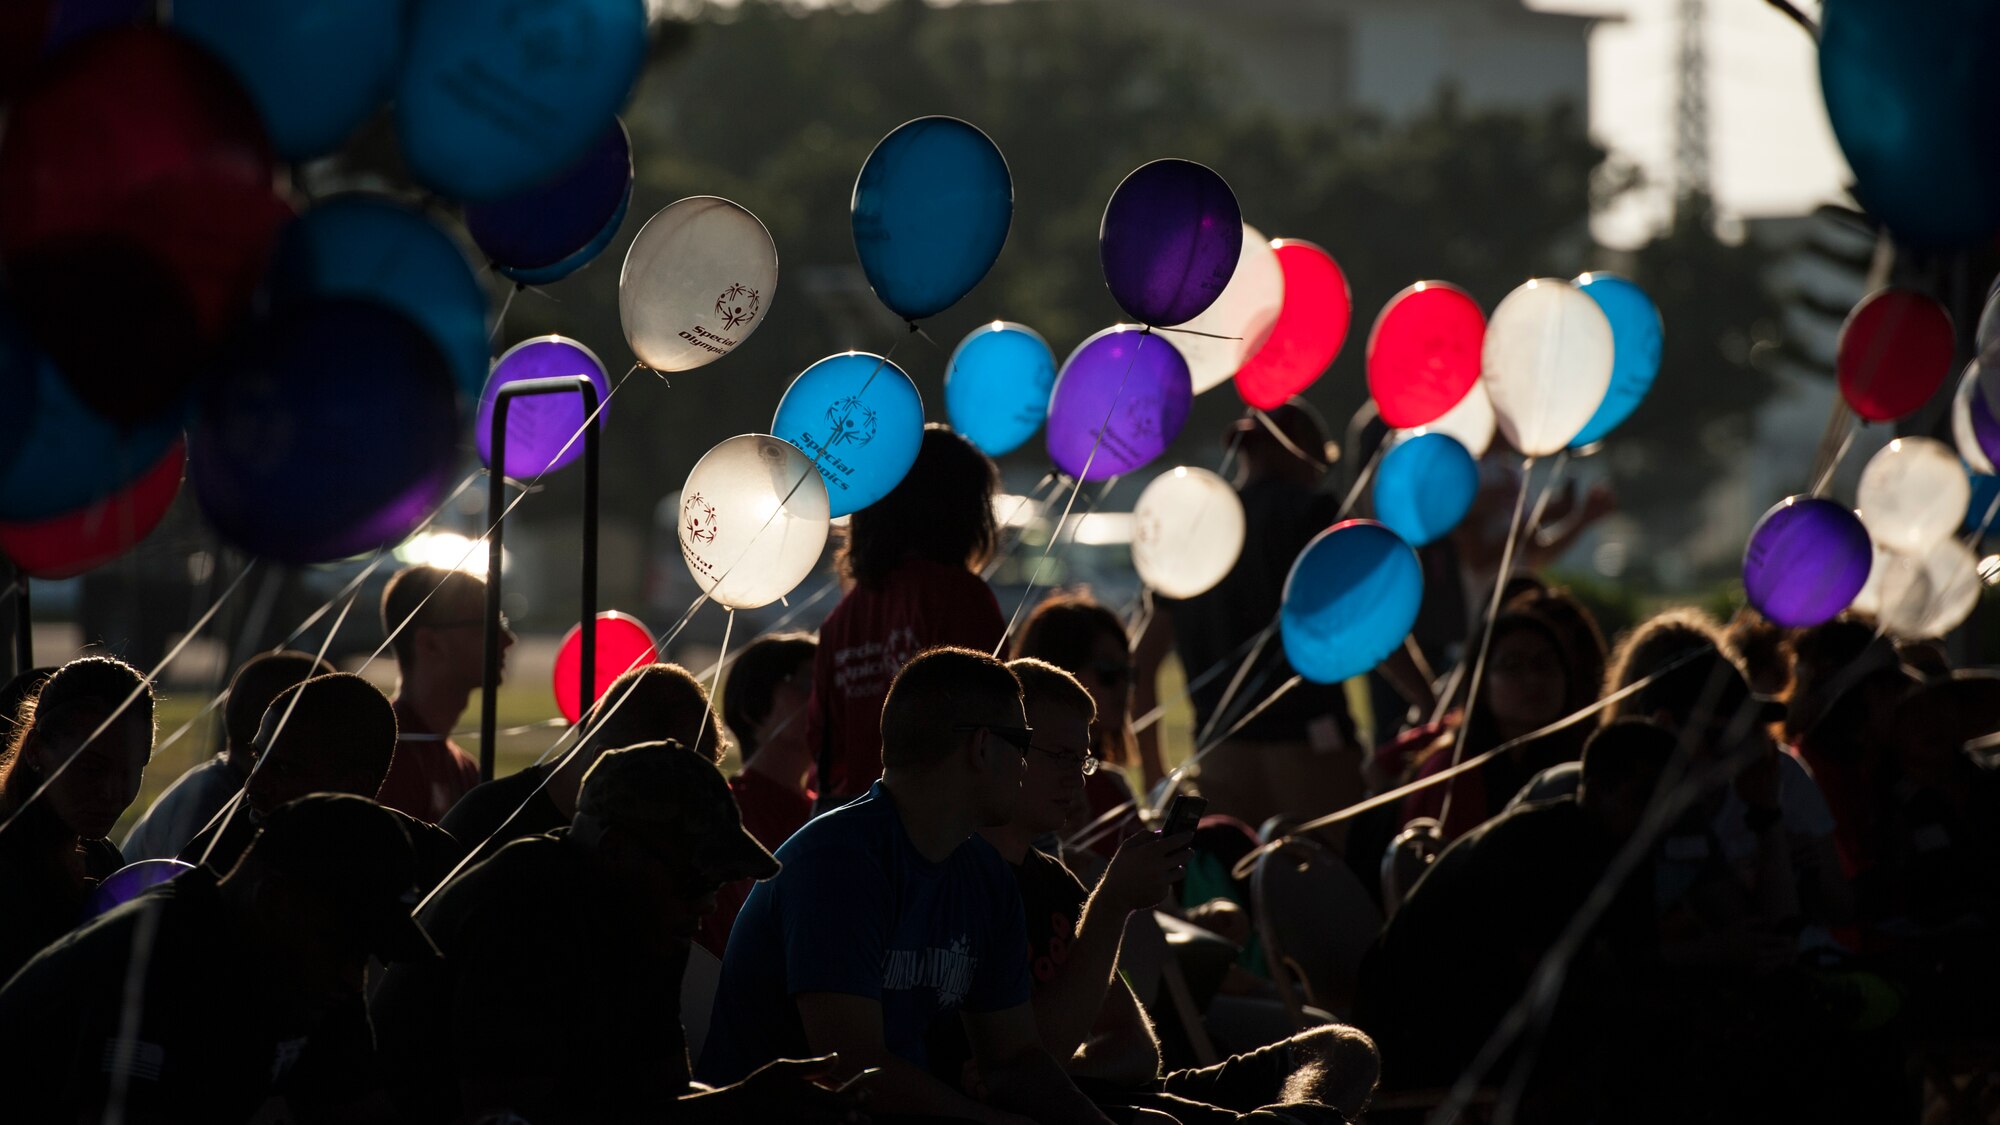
{"points": [[867, 638], [771, 812], [428, 774]]}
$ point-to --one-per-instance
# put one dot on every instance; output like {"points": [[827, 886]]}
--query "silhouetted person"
{"points": [[440, 660], [764, 706]]}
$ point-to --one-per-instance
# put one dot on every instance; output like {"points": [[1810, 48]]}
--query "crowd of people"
{"points": [[1709, 873]]}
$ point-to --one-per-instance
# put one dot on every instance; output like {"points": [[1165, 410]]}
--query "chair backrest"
{"points": [[1317, 921], [698, 984]]}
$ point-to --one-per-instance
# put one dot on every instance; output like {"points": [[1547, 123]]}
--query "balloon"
{"points": [[544, 432], [70, 20], [1951, 574], [695, 284], [1636, 338], [334, 432], [1908, 96], [931, 209], [526, 236], [67, 545], [1806, 560], [1547, 364], [861, 421], [1982, 513], [1169, 241], [1240, 320], [498, 98], [1898, 587], [1187, 532], [315, 70], [621, 644], [1471, 422], [1986, 338], [1913, 493], [1424, 486], [1350, 599], [996, 387], [373, 248], [1308, 332], [1423, 353], [1895, 350], [126, 883], [753, 520], [136, 215], [1128, 386], [1973, 427]]}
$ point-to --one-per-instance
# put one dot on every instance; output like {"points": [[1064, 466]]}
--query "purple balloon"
{"points": [[543, 431], [1169, 241], [1985, 429], [126, 883], [1806, 561], [544, 225], [1128, 384]]}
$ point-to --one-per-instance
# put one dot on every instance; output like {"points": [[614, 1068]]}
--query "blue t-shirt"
{"points": [[858, 911]]}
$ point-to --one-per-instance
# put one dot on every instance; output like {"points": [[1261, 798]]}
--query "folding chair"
{"points": [[1317, 921]]}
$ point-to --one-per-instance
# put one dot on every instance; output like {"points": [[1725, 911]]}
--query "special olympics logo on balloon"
{"points": [[1142, 416], [852, 423], [738, 306], [698, 519]]}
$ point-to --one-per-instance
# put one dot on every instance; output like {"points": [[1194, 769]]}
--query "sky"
{"points": [[1771, 151]]}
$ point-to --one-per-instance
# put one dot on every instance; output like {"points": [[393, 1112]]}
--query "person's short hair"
{"points": [[420, 595], [753, 680], [1764, 647], [1626, 752], [258, 682], [674, 795], [81, 691], [1830, 662], [936, 690], [654, 702], [942, 511], [338, 717], [1043, 682], [1341, 1068], [1683, 653]]}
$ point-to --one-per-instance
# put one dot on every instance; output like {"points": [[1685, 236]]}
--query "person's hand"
{"points": [[1145, 866], [787, 1090]]}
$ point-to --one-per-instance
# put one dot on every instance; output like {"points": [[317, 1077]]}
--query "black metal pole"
{"points": [[496, 504]]}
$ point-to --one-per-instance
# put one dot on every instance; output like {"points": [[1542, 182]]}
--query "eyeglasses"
{"points": [[1085, 761], [1017, 737]]}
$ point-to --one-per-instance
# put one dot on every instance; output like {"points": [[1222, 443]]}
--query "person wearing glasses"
{"points": [[436, 619], [892, 912], [1077, 634]]}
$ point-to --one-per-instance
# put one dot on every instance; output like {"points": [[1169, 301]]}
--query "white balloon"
{"points": [[1546, 363], [1913, 493], [1243, 314], [1954, 580], [1898, 588], [697, 281], [753, 520], [1962, 433], [1187, 531], [1471, 422]]}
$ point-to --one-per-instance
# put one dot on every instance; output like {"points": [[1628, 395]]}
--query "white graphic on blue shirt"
{"points": [[948, 971]]}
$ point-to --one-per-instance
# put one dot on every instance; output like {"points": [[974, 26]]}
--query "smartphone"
{"points": [[1183, 814], [849, 1085]]}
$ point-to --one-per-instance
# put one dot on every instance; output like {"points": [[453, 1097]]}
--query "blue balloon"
{"points": [[1424, 486], [1985, 494], [316, 69], [1911, 97], [861, 421], [1351, 598], [1636, 338], [373, 248], [551, 225], [996, 388], [931, 211], [499, 96], [56, 454]]}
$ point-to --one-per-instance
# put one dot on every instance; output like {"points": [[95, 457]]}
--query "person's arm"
{"points": [[852, 1027], [1067, 1008], [1020, 1074], [784, 1090], [1148, 654], [1122, 1048]]}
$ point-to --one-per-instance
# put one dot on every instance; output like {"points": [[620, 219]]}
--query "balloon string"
{"points": [[1050, 483], [1235, 445], [777, 626], [1486, 635], [1534, 525], [1833, 443], [1792, 12], [1318, 465], [1985, 523], [1361, 480], [1055, 536], [500, 321], [1194, 684], [1203, 335], [1825, 477], [715, 683]]}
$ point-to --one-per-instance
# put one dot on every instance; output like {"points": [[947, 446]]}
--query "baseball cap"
{"points": [[676, 795], [358, 856]]}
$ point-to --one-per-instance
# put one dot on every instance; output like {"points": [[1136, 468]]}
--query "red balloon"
{"points": [[1311, 325], [67, 545], [622, 645], [1423, 353], [1895, 351], [137, 212]]}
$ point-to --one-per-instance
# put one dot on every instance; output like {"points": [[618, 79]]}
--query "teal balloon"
{"points": [[1636, 338], [1424, 486], [860, 420], [1351, 598], [931, 210], [997, 386], [500, 96], [316, 69], [374, 248], [583, 257]]}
